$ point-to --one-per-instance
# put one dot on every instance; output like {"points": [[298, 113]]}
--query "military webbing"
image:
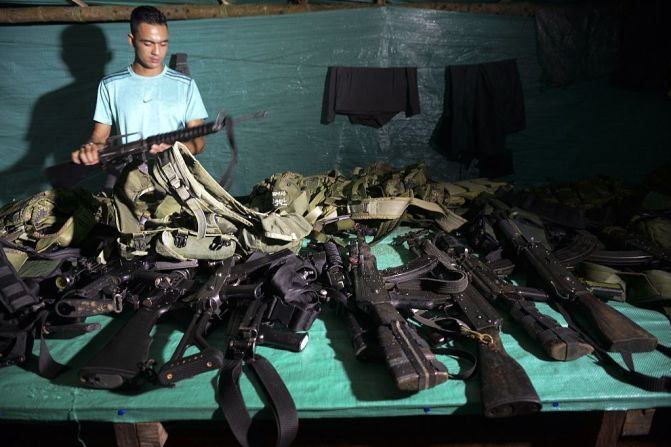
{"points": [[14, 295], [53, 218], [379, 195], [650, 288]]}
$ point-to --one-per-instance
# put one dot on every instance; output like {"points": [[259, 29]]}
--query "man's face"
{"points": [[151, 45]]}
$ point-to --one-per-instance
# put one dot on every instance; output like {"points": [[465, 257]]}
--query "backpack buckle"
{"points": [[218, 243], [180, 239]]}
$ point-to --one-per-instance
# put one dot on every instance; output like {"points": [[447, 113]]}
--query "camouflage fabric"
{"points": [[60, 217], [378, 195], [176, 209]]}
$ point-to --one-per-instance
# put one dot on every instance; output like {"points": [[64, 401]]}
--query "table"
{"points": [[325, 380]]}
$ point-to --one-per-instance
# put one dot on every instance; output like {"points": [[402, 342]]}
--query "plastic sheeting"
{"points": [[325, 379], [278, 64]]}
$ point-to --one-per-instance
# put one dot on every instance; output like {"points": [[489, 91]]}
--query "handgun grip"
{"points": [[505, 387], [612, 330], [122, 359], [409, 358], [186, 367]]}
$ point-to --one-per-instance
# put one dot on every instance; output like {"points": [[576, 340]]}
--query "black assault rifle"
{"points": [[115, 154], [610, 329], [407, 355], [558, 342], [505, 387]]}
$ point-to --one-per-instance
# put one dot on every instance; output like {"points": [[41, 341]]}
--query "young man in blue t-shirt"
{"points": [[147, 96]]}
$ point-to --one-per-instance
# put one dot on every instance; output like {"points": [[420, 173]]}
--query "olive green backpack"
{"points": [[176, 209]]}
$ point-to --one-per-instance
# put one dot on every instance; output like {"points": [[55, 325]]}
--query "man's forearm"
{"points": [[196, 146]]}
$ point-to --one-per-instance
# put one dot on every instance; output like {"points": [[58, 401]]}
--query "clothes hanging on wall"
{"points": [[370, 96], [483, 103]]}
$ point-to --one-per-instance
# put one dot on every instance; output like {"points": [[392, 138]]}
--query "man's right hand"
{"points": [[87, 154]]}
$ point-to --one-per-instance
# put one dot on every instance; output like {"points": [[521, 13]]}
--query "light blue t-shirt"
{"points": [[151, 105]]}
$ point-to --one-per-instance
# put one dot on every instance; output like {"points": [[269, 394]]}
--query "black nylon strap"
{"points": [[47, 366], [643, 381], [233, 406], [461, 354], [226, 180]]}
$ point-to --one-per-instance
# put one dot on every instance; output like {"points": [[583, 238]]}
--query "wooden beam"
{"points": [[69, 14], [524, 9], [140, 434]]}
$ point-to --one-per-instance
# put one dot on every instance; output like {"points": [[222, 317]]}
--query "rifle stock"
{"points": [[612, 330], [122, 359], [505, 387]]}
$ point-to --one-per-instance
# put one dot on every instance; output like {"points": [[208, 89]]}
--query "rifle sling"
{"points": [[460, 354], [232, 403], [643, 381], [226, 180], [47, 366]]}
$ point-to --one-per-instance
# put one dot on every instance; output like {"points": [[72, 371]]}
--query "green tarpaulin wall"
{"points": [[278, 64]]}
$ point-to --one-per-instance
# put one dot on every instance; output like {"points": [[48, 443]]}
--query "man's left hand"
{"points": [[156, 148]]}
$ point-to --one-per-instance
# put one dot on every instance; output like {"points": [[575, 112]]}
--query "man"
{"points": [[147, 96]]}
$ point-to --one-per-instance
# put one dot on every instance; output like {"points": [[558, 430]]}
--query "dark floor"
{"points": [[557, 429]]}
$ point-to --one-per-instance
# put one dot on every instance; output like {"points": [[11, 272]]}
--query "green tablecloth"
{"points": [[325, 379]]}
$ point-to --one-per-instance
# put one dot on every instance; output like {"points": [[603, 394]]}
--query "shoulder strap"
{"points": [[233, 406], [628, 374]]}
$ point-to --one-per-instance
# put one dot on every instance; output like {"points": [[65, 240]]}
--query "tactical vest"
{"points": [[379, 196], [178, 210]]}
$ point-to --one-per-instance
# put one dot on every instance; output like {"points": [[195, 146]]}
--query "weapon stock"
{"points": [[125, 357], [505, 387]]}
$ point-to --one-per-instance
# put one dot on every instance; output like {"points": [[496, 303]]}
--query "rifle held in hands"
{"points": [[116, 154]]}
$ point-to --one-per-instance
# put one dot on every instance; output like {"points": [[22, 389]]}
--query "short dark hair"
{"points": [[146, 14]]}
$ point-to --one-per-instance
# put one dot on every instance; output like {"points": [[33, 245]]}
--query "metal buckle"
{"points": [[180, 240]]}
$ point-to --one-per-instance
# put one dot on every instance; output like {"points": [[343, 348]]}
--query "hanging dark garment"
{"points": [[483, 103], [370, 96]]}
